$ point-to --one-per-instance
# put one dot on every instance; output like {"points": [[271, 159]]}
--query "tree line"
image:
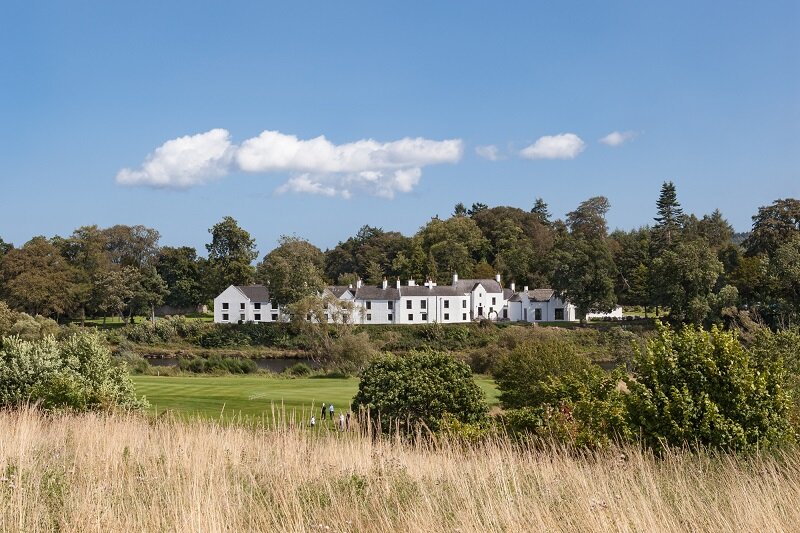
{"points": [[697, 268]]}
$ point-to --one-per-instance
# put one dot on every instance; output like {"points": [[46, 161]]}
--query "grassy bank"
{"points": [[253, 396], [125, 473]]}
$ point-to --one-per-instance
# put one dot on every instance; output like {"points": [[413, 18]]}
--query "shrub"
{"points": [[223, 336], [218, 365], [77, 372], [419, 388], [695, 387], [584, 408], [523, 374], [32, 328], [299, 370], [350, 352]]}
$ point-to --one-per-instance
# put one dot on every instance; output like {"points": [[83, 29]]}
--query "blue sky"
{"points": [[706, 94]]}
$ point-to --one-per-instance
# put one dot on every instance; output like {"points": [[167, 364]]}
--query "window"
{"points": [[408, 304], [369, 316], [241, 306], [463, 304], [225, 305], [225, 317], [424, 316], [390, 317], [411, 317], [257, 306], [422, 304], [537, 314], [494, 301], [505, 313], [257, 317], [274, 317], [559, 314], [464, 316], [391, 305], [241, 317], [369, 304], [447, 316], [275, 306], [447, 304]]}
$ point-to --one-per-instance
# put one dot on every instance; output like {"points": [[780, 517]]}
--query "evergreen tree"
{"points": [[670, 215], [542, 211]]}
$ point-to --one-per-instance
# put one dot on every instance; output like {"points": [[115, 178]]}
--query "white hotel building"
{"points": [[462, 301]]}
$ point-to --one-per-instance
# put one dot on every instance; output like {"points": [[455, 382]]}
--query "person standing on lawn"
{"points": [[330, 411], [322, 417]]}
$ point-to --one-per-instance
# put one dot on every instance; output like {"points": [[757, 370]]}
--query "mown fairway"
{"points": [[253, 396]]}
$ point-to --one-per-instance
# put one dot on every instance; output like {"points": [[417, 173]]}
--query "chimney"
{"points": [[411, 283], [397, 283], [513, 287], [385, 283], [455, 278], [526, 288], [497, 278], [358, 283], [350, 286]]}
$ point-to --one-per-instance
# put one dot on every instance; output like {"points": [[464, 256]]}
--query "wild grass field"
{"points": [[98, 472], [251, 397]]}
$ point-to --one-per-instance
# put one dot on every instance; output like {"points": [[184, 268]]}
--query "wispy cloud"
{"points": [[618, 138], [184, 162], [316, 166], [562, 146], [488, 151]]}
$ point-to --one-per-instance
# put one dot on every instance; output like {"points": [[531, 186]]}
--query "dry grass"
{"points": [[118, 473]]}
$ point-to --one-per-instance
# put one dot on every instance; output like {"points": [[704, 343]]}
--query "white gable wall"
{"points": [[241, 309]]}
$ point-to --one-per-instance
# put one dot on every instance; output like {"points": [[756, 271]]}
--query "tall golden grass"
{"points": [[99, 472]]}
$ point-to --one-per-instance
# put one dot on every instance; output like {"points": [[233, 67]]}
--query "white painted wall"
{"points": [[616, 313], [240, 308]]}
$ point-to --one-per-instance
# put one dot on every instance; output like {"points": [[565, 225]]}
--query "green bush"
{"points": [[218, 365], [694, 387], [299, 370], [402, 392], [523, 374], [350, 353], [77, 372], [584, 408]]}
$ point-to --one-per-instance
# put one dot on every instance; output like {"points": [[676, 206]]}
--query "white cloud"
{"points": [[489, 152], [380, 169], [184, 162], [563, 146], [618, 138], [316, 166]]}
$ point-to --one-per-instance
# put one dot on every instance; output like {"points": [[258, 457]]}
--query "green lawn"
{"points": [[253, 396]]}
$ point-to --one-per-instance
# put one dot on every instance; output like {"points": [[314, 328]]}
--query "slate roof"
{"points": [[541, 295], [467, 285], [444, 290], [536, 295], [369, 292], [256, 293], [339, 290]]}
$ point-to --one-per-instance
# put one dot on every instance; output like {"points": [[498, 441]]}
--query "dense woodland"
{"points": [[694, 267]]}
